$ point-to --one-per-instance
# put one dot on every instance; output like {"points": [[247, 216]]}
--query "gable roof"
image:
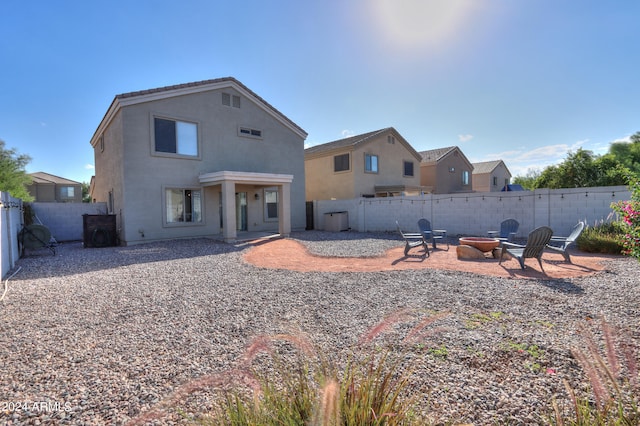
{"points": [[435, 155], [487, 166], [141, 96], [358, 140], [42, 177]]}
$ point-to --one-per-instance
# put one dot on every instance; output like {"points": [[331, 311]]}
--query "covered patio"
{"points": [[227, 180]]}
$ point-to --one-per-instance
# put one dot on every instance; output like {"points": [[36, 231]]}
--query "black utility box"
{"points": [[99, 230]]}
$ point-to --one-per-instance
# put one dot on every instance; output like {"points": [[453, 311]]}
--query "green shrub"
{"points": [[603, 238]]}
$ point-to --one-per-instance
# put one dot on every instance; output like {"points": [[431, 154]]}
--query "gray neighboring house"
{"points": [[446, 170], [490, 176], [203, 159], [48, 188]]}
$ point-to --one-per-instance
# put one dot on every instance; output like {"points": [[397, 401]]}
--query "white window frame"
{"points": [[465, 177], [179, 128], [248, 132], [368, 163], [196, 213], [266, 197]]}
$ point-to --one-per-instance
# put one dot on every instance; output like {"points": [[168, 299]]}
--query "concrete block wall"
{"points": [[476, 213], [64, 220]]}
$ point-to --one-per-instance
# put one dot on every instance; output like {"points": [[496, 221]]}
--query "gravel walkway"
{"points": [[98, 336]]}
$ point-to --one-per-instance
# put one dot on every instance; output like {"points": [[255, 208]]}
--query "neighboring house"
{"points": [[209, 158], [445, 171], [490, 176], [47, 188], [374, 164]]}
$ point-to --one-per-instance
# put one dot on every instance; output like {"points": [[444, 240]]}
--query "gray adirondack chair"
{"points": [[432, 235], [508, 230], [561, 244], [413, 240], [536, 243]]}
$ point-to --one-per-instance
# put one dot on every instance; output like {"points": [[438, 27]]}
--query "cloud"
{"points": [[465, 138], [347, 133], [89, 167]]}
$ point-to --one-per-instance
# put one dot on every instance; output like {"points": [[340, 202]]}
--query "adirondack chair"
{"points": [[508, 230], [561, 244], [413, 240], [430, 234], [536, 243]]}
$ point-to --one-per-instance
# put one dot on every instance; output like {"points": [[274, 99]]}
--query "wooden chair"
{"points": [[412, 241], [536, 243], [561, 244]]}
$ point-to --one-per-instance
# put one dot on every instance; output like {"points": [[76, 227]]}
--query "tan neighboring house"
{"points": [[446, 170], [374, 164], [490, 176], [47, 188], [203, 159]]}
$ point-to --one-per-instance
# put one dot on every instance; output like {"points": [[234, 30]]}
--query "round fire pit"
{"points": [[483, 244]]}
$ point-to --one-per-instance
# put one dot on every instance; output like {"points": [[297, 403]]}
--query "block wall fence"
{"points": [[477, 212], [64, 220]]}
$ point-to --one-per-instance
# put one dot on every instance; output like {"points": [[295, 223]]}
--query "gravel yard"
{"points": [[99, 336]]}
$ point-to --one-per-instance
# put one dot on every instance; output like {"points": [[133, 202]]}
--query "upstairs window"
{"points": [[465, 177], [252, 133], [176, 137], [341, 163], [371, 163], [67, 192], [407, 169]]}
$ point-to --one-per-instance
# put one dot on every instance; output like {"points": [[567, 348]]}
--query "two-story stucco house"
{"points": [[446, 170], [375, 164], [48, 188], [490, 176], [209, 158]]}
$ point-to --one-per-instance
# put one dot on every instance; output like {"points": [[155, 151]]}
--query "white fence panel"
{"points": [[10, 225]]}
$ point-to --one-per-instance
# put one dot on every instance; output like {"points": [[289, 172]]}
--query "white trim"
{"points": [[217, 178]]}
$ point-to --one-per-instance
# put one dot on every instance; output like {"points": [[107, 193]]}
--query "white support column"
{"points": [[284, 209], [229, 232]]}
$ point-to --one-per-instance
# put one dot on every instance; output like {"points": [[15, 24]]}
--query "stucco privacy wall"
{"points": [[64, 220], [10, 224], [476, 213]]}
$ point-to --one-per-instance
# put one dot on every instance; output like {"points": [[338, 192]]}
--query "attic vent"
{"points": [[391, 139], [230, 100]]}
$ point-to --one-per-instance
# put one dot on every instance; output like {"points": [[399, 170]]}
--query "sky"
{"points": [[524, 81]]}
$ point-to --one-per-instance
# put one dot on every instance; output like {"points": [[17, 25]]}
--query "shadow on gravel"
{"points": [[73, 258]]}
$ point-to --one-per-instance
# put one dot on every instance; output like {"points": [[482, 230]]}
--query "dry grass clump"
{"points": [[294, 384], [612, 371]]}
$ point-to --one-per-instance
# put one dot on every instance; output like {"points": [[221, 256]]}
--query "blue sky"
{"points": [[520, 80]]}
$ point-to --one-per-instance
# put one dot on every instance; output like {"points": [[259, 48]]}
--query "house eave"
{"points": [[252, 178]]}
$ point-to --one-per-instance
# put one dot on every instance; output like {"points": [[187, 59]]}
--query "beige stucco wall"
{"points": [[325, 184], [322, 183], [441, 179], [144, 175], [483, 182]]}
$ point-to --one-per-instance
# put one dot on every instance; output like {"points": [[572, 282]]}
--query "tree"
{"points": [[583, 169], [86, 197], [13, 177], [628, 154], [528, 181]]}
